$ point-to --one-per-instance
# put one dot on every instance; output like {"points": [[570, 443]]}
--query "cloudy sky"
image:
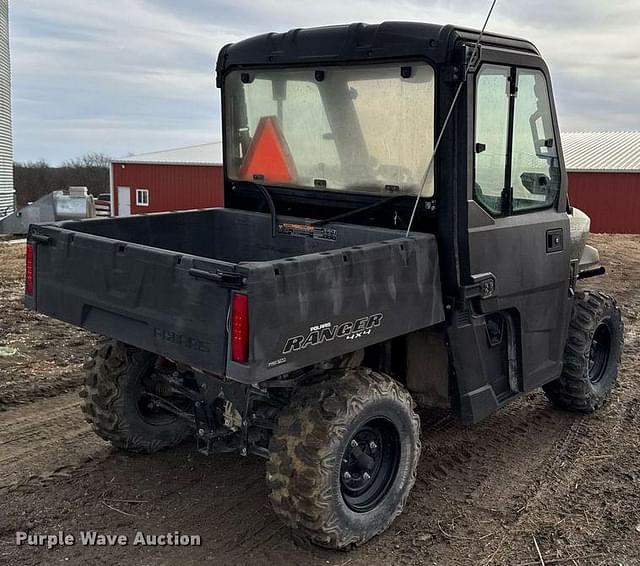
{"points": [[123, 76]]}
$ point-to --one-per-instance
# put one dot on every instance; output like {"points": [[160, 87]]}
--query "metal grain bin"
{"points": [[7, 198]]}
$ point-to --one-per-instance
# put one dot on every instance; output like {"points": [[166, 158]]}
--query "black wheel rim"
{"points": [[369, 464], [151, 412], [149, 403], [600, 353]]}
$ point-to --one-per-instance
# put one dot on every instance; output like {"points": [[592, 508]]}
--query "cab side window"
{"points": [[535, 169], [492, 134], [516, 161]]}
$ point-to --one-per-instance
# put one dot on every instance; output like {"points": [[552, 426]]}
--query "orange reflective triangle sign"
{"points": [[268, 157]]}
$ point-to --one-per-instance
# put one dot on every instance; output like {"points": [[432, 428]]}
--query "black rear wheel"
{"points": [[343, 457], [370, 464], [592, 354], [120, 400]]}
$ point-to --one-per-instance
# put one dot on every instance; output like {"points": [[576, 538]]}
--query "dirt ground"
{"points": [[49, 353], [528, 476]]}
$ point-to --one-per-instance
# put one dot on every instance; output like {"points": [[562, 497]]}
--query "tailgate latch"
{"points": [[39, 238], [483, 286], [223, 278]]}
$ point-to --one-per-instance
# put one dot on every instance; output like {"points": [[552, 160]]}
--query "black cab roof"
{"points": [[358, 42]]}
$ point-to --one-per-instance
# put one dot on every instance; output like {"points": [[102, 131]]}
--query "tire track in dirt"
{"points": [[474, 455], [23, 391], [591, 469], [480, 488], [564, 479], [506, 470], [463, 468], [44, 438], [471, 480], [590, 432]]}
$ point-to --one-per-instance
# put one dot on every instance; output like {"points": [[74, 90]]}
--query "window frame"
{"points": [[227, 110], [139, 193], [513, 74], [507, 163]]}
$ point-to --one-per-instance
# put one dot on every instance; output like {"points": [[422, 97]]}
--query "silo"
{"points": [[7, 199]]}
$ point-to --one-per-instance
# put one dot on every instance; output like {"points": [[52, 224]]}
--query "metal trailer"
{"points": [[72, 204]]}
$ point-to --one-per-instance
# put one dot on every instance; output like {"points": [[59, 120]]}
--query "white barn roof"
{"points": [[613, 152], [203, 154]]}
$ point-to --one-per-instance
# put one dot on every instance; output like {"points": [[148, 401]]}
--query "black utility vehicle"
{"points": [[301, 322]]}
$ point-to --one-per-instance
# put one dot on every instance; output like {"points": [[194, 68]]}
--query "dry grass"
{"points": [[11, 262]]}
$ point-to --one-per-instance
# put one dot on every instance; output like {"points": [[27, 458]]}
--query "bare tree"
{"points": [[34, 179], [92, 159]]}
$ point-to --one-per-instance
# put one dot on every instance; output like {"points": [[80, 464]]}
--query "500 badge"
{"points": [[327, 331]]}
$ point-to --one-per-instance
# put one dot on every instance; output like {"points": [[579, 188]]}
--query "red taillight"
{"points": [[240, 328], [28, 271]]}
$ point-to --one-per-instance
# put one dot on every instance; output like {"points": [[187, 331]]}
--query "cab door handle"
{"points": [[555, 240]]}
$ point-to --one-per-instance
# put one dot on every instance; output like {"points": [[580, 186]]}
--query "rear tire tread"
{"points": [[300, 465], [104, 400]]}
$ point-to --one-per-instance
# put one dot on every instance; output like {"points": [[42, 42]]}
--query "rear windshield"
{"points": [[358, 128]]}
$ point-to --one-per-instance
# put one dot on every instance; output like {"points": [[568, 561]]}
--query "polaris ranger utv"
{"points": [[304, 321]]}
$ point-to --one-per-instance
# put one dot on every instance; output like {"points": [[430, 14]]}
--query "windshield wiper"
{"points": [[357, 210]]}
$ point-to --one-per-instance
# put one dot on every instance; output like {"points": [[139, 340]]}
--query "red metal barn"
{"points": [[604, 178], [177, 179]]}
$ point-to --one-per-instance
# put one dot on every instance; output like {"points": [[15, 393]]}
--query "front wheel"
{"points": [[592, 354], [344, 456]]}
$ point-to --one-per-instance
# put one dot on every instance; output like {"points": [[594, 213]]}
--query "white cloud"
{"points": [[135, 75]]}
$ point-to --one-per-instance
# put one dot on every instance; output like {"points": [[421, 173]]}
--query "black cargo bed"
{"points": [[163, 282]]}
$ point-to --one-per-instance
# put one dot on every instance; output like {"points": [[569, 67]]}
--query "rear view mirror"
{"points": [[535, 183]]}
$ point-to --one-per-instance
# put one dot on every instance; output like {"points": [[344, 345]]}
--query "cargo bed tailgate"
{"points": [[162, 301], [311, 308]]}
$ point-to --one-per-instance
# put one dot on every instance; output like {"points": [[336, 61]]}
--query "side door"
{"points": [[518, 229], [124, 201]]}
